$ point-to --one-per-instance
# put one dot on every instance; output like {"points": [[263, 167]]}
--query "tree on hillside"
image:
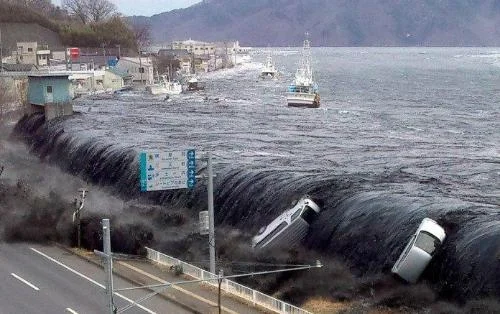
{"points": [[76, 8], [142, 33], [90, 10], [99, 10]]}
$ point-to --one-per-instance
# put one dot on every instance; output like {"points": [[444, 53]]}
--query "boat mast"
{"points": [[307, 58], [304, 71]]}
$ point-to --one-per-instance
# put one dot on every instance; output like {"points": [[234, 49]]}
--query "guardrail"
{"points": [[253, 296]]}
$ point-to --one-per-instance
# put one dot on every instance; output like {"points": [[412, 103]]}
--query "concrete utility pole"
{"points": [[104, 54], [76, 215], [211, 232], [106, 243], [1, 51], [141, 70]]}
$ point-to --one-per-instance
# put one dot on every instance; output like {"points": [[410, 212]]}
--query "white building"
{"points": [[195, 47], [32, 53], [141, 69]]}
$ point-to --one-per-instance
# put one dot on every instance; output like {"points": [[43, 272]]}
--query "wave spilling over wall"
{"points": [[365, 220]]}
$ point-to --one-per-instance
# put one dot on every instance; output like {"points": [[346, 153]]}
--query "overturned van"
{"points": [[419, 250], [290, 227]]}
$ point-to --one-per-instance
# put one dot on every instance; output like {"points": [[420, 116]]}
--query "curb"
{"points": [[119, 274]]}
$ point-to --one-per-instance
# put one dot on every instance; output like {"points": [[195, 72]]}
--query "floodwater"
{"points": [[401, 134]]}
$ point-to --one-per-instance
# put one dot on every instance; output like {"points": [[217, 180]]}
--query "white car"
{"points": [[419, 251], [288, 228]]}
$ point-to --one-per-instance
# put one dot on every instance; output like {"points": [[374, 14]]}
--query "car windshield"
{"points": [[309, 214], [296, 214], [427, 242]]}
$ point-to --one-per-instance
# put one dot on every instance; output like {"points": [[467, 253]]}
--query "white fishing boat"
{"points": [[269, 70], [165, 87], [193, 85], [303, 92]]}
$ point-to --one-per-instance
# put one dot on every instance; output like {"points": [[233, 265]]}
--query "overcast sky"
{"points": [[147, 7]]}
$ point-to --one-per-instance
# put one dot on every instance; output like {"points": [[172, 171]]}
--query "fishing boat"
{"points": [[165, 86], [269, 70], [194, 85], [303, 92]]}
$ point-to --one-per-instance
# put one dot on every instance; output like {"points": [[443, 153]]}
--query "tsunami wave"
{"points": [[366, 219]]}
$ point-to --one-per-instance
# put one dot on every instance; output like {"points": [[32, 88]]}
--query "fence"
{"points": [[253, 296]]}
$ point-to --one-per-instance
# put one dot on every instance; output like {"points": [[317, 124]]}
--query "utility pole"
{"points": [[141, 70], [1, 51], [104, 54], [76, 215], [108, 264], [211, 232]]}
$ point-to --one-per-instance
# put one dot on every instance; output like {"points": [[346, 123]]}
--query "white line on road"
{"points": [[89, 279], [71, 311], [25, 281]]}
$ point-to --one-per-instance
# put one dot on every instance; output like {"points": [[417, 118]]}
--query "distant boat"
{"points": [[165, 86], [303, 92], [194, 85], [269, 70]]}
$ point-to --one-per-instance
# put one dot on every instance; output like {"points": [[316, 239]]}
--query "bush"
{"points": [[414, 296], [483, 306]]}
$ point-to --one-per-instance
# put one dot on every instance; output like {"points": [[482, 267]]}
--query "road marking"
{"points": [[71, 311], [25, 281], [140, 271], [89, 279]]}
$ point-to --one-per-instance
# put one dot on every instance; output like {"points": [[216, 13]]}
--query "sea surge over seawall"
{"points": [[393, 142]]}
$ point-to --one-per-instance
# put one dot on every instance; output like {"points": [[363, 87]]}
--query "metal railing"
{"points": [[253, 296]]}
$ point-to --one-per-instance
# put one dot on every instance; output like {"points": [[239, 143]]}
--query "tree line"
{"points": [[80, 23]]}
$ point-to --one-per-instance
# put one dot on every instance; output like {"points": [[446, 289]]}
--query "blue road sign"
{"points": [[167, 170]]}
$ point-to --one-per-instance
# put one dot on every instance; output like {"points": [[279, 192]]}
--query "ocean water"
{"points": [[401, 134]]}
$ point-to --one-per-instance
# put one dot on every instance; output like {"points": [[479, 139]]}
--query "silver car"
{"points": [[419, 251], [290, 227]]}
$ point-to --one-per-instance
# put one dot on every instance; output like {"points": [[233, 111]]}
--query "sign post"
{"points": [[177, 170], [211, 232]]}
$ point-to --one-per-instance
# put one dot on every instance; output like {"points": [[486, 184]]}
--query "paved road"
{"points": [[44, 279]]}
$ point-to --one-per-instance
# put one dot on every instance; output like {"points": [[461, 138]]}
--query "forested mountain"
{"points": [[41, 21], [334, 22]]}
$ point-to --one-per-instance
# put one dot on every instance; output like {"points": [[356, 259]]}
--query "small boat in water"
{"points": [[269, 70], [165, 86], [194, 85], [303, 92]]}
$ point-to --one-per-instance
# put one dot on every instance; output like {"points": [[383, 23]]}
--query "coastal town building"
{"points": [[195, 47], [140, 69], [50, 93], [185, 58], [32, 53]]}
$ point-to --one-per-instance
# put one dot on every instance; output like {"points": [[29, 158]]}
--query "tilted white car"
{"points": [[419, 250], [288, 228]]}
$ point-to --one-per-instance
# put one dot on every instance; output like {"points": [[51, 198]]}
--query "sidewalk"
{"points": [[196, 297]]}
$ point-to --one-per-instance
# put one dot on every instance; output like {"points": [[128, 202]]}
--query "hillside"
{"points": [[334, 22], [14, 32]]}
